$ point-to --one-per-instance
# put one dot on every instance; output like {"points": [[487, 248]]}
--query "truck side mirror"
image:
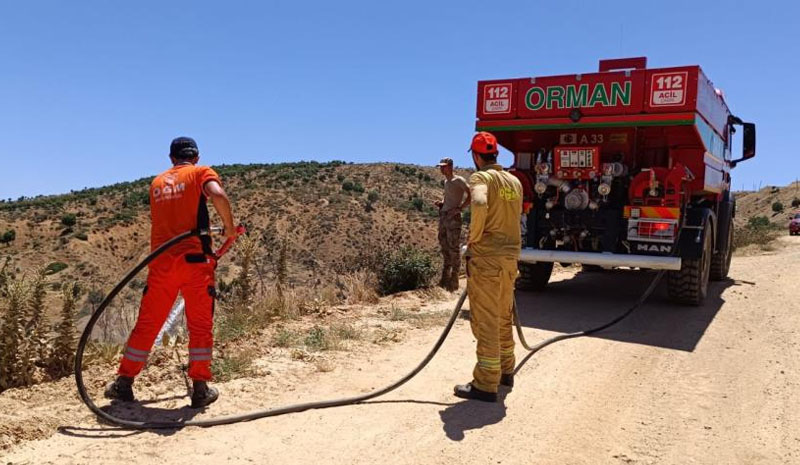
{"points": [[748, 141]]}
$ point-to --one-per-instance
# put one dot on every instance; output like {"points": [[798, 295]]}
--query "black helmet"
{"points": [[183, 148]]}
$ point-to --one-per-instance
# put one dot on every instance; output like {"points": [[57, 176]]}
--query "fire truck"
{"points": [[625, 167]]}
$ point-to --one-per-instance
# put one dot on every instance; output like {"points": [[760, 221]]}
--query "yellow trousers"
{"points": [[490, 286]]}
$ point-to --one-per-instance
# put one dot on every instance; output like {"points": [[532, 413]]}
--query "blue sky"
{"points": [[92, 92]]}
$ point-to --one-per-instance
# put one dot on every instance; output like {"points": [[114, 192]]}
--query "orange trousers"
{"points": [[193, 276]]}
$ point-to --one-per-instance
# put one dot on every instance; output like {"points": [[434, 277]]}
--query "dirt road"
{"points": [[671, 385]]}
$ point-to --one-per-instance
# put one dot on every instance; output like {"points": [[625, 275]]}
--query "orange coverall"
{"points": [[177, 205]]}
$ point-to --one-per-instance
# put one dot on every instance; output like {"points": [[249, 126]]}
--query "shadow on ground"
{"points": [[590, 299], [133, 411], [472, 414]]}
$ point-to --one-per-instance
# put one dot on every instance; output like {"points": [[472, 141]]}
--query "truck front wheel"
{"points": [[534, 276], [689, 285]]}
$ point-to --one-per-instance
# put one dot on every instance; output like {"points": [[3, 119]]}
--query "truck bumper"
{"points": [[601, 259]]}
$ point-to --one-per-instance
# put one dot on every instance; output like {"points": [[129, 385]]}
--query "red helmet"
{"points": [[484, 142]]}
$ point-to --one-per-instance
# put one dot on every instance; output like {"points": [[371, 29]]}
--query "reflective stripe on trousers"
{"points": [[167, 276]]}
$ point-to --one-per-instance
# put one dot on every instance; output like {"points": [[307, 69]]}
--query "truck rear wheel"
{"points": [[689, 286], [534, 276], [721, 262]]}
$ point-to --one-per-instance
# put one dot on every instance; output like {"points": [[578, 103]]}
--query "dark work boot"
{"points": [[120, 389], [468, 391], [203, 394], [507, 379]]}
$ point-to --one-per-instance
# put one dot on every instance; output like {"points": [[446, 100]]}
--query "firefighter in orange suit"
{"points": [[493, 249], [178, 204]]}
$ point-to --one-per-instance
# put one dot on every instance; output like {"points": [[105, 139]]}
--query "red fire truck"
{"points": [[626, 167]]}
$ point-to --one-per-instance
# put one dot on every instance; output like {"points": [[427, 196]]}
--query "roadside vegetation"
{"points": [[273, 287], [30, 351], [758, 231]]}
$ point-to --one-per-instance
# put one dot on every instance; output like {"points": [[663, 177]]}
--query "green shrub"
{"points": [[8, 237], [756, 222], [373, 196], [795, 202], [285, 338], [777, 207], [136, 199], [348, 185], [417, 203], [69, 219], [759, 230], [82, 236], [55, 267], [406, 269], [318, 339]]}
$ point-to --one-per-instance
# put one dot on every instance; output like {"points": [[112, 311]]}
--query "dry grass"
{"points": [[759, 233], [324, 365], [233, 364], [359, 287], [102, 353], [417, 318]]}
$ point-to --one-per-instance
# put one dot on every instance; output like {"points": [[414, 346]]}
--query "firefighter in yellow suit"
{"points": [[492, 252]]}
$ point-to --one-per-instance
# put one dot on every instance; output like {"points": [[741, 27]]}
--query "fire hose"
{"points": [[300, 407]]}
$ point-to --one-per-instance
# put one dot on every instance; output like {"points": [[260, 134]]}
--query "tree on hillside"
{"points": [[69, 220], [8, 237], [777, 207]]}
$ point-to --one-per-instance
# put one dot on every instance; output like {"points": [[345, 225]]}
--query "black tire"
{"points": [[689, 286], [721, 261], [534, 276]]}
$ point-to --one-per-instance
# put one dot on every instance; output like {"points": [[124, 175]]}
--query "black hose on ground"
{"points": [[294, 408], [223, 420], [536, 348]]}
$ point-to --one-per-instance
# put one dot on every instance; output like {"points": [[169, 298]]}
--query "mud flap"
{"points": [[690, 242]]}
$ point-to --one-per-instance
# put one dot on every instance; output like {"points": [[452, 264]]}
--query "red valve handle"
{"points": [[228, 243]]}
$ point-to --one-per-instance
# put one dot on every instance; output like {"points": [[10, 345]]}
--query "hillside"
{"points": [[759, 203], [327, 215]]}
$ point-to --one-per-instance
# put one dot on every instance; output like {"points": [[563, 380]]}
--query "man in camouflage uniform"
{"points": [[456, 198]]}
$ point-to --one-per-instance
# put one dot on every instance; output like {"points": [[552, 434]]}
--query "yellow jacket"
{"points": [[495, 211]]}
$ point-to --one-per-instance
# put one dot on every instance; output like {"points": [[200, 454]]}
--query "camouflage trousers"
{"points": [[450, 243]]}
